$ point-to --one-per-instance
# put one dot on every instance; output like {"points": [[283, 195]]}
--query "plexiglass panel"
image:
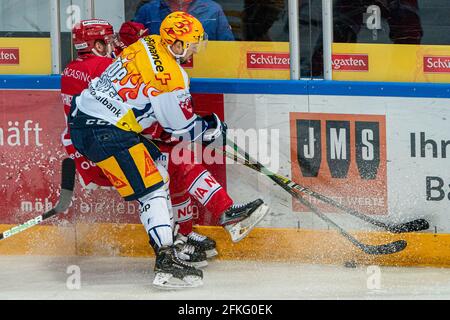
{"points": [[247, 38], [392, 40], [25, 37]]}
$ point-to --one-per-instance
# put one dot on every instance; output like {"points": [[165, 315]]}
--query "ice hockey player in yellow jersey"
{"points": [[146, 89]]}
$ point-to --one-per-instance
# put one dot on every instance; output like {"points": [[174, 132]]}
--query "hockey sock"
{"points": [[156, 214], [209, 193], [183, 213]]}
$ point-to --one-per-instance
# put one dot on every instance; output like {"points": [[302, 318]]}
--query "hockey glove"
{"points": [[215, 129]]}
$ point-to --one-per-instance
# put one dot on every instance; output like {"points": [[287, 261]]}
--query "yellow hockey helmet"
{"points": [[183, 27]]}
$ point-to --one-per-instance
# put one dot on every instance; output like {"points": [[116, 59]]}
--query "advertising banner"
{"points": [[9, 56], [31, 123], [342, 156], [416, 151], [391, 62], [25, 56], [31, 151], [350, 61], [242, 60], [381, 155]]}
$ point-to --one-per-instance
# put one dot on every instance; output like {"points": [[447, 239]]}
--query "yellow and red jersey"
{"points": [[144, 87]]}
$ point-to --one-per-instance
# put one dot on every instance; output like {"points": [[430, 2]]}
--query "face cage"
{"points": [[195, 47], [110, 43]]}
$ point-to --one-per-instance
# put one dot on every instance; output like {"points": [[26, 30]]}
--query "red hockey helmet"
{"points": [[86, 32]]}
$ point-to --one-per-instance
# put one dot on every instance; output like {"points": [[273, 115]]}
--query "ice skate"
{"points": [[190, 254], [203, 243], [172, 273], [239, 220], [200, 242]]}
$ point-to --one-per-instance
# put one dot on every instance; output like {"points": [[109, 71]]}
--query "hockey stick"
{"points": [[410, 226], [67, 184], [388, 248]]}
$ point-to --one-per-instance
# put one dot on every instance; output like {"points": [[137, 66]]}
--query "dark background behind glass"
{"points": [[403, 21], [258, 20]]}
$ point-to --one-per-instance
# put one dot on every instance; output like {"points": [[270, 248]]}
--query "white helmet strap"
{"points": [[94, 51], [109, 51], [177, 56]]}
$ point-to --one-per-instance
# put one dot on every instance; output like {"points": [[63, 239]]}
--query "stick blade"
{"points": [[68, 174], [388, 248], [412, 226]]}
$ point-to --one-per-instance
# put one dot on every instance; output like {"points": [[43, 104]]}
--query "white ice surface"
{"points": [[36, 277]]}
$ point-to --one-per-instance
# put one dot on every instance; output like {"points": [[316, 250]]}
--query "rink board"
{"points": [[380, 148], [266, 244]]}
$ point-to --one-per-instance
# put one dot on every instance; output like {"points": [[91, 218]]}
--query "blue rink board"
{"points": [[301, 87]]}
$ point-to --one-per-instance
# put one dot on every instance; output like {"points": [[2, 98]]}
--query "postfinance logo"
{"points": [[154, 55], [342, 156], [163, 78]]}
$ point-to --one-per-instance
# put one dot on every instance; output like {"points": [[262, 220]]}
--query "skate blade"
{"points": [[199, 264], [241, 229], [168, 281], [211, 253]]}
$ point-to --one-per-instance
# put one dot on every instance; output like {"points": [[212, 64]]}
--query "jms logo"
{"points": [[342, 156], [338, 149]]}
